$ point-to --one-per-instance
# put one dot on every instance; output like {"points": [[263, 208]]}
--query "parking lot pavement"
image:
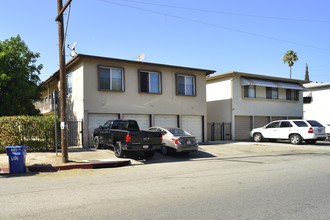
{"points": [[231, 148], [212, 149]]}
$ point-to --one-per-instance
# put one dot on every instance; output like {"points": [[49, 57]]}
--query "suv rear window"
{"points": [[300, 123], [314, 123]]}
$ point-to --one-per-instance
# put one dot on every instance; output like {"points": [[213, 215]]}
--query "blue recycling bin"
{"points": [[16, 156]]}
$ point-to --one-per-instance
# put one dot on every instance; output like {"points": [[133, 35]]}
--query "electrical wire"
{"points": [[227, 13], [215, 25], [67, 26]]}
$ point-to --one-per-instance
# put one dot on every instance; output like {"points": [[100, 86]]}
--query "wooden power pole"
{"points": [[62, 88]]}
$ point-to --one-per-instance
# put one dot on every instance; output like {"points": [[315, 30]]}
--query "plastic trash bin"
{"points": [[16, 156]]}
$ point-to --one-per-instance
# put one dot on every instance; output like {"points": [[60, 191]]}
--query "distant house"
{"points": [[316, 96], [238, 102], [102, 88]]}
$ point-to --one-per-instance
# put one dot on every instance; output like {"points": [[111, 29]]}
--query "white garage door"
{"points": [[242, 127], [193, 124], [142, 120], [169, 121], [94, 121]]}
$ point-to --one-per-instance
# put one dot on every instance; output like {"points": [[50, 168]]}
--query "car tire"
{"points": [[257, 137], [164, 150], [96, 142], [118, 150], [295, 139]]}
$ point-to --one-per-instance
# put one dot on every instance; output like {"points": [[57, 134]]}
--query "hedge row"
{"points": [[36, 132]]}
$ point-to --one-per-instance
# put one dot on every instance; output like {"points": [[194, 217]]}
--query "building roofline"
{"points": [[258, 76], [85, 56], [316, 85]]}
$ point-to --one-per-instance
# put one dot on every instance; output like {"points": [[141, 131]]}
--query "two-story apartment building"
{"points": [[102, 88], [246, 101]]}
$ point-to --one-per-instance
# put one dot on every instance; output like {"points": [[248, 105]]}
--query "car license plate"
{"points": [[189, 142], [145, 146]]}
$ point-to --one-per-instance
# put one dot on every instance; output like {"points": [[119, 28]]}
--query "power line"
{"points": [[228, 13], [215, 25]]}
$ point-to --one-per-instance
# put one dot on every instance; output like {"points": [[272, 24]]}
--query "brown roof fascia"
{"points": [[90, 57], [258, 76]]}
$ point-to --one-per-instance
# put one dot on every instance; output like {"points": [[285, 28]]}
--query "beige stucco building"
{"points": [[246, 101], [101, 88]]}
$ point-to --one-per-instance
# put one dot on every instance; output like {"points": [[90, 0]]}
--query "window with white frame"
{"points": [[150, 82], [250, 91], [186, 85], [111, 78], [271, 93], [292, 94]]}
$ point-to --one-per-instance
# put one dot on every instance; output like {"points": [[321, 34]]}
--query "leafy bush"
{"points": [[36, 132]]}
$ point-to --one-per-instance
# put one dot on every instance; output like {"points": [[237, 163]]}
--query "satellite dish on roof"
{"points": [[73, 52], [140, 57]]}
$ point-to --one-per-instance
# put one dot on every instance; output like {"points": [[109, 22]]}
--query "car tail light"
{"points": [[176, 141], [161, 138], [310, 130], [128, 138]]}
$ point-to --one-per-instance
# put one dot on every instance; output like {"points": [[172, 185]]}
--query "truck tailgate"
{"points": [[146, 137]]}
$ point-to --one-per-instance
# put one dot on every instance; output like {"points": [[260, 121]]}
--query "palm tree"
{"points": [[290, 57]]}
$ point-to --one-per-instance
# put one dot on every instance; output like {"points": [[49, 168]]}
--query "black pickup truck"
{"points": [[125, 136]]}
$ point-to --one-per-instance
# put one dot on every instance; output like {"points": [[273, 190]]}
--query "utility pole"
{"points": [[59, 19]]}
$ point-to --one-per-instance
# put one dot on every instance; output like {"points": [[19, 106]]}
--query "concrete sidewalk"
{"points": [[78, 159]]}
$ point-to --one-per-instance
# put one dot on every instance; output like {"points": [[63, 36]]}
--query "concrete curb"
{"points": [[93, 164]]}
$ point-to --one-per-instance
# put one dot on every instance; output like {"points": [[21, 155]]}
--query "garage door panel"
{"points": [[275, 118], [242, 127], [194, 125], [166, 121], [260, 121], [142, 120]]}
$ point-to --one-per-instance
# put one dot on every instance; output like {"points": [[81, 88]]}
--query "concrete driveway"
{"points": [[222, 149]]}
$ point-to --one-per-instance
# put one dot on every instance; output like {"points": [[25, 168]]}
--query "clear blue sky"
{"points": [[234, 35]]}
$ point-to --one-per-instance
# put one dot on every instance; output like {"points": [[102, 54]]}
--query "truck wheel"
{"points": [[118, 150], [149, 154], [96, 142]]}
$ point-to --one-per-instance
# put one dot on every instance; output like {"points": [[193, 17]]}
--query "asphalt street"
{"points": [[222, 181]]}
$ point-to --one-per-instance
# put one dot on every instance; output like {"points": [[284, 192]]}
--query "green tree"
{"points": [[19, 78], [306, 73], [290, 57]]}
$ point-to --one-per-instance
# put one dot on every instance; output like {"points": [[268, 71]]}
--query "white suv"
{"points": [[296, 131]]}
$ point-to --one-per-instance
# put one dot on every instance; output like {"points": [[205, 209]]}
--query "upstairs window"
{"points": [[111, 79], [69, 83], [249, 91], [186, 85], [150, 82], [292, 94], [271, 93]]}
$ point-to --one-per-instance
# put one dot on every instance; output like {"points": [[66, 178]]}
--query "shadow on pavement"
{"points": [[177, 157]]}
